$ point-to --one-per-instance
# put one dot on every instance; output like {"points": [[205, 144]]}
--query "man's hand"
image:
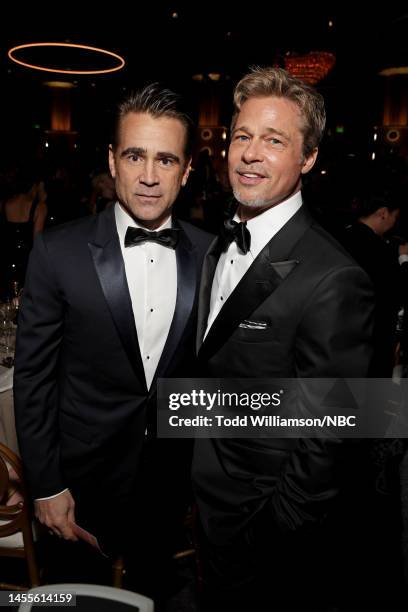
{"points": [[57, 514], [403, 249]]}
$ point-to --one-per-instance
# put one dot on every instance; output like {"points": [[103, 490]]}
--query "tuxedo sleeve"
{"points": [[38, 347], [333, 341]]}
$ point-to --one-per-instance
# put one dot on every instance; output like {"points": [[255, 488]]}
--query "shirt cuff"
{"points": [[51, 496], [402, 258]]}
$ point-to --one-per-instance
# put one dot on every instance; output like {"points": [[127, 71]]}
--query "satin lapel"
{"points": [[186, 292], [110, 268], [207, 276], [268, 271]]}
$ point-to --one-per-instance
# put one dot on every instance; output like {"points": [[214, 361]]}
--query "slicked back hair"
{"points": [[156, 101], [272, 81]]}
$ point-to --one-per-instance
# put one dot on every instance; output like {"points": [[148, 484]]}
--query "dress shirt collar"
{"points": [[124, 220], [264, 226]]}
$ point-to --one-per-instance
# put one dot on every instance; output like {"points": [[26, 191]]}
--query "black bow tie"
{"points": [[238, 232], [137, 235]]}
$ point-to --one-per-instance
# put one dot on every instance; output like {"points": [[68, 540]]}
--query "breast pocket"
{"points": [[251, 334]]}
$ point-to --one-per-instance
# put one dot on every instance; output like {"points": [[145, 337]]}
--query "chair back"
{"points": [[16, 536]]}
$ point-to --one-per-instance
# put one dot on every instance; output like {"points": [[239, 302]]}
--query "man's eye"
{"points": [[241, 137], [134, 157], [166, 161]]}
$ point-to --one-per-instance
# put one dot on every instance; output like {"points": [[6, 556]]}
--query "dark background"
{"points": [[204, 37]]}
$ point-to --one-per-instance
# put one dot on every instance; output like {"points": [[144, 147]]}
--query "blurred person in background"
{"points": [[103, 192], [22, 217]]}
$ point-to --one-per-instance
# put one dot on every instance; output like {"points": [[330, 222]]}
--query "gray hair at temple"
{"points": [[271, 81], [157, 102]]}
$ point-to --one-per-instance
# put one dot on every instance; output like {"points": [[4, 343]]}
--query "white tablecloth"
{"points": [[7, 425]]}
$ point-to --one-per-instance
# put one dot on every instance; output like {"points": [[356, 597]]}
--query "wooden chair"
{"points": [[119, 567], [118, 571], [16, 536]]}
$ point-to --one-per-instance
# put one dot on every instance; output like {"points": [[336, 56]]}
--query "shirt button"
{"points": [[151, 261], [148, 357], [222, 299], [151, 310], [232, 261]]}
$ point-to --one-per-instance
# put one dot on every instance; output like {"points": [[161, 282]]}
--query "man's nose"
{"points": [[252, 152], [149, 175]]}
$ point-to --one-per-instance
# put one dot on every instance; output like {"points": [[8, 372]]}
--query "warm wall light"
{"points": [[210, 76], [70, 45], [59, 84], [395, 111], [394, 71]]}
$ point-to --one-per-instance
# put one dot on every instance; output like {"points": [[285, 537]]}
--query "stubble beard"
{"points": [[252, 203]]}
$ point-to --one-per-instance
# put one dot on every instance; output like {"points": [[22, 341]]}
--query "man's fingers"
{"points": [[58, 514], [71, 515], [68, 534], [64, 532]]}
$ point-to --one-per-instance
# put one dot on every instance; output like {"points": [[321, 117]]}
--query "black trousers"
{"points": [[144, 525]]}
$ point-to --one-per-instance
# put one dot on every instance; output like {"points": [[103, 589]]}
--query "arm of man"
{"points": [[334, 341], [39, 338]]}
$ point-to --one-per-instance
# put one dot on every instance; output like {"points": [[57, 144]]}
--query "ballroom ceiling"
{"points": [[172, 41]]}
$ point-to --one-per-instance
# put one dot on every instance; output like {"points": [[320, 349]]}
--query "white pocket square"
{"points": [[246, 324]]}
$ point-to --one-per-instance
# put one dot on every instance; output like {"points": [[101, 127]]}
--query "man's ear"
{"points": [[186, 172], [112, 165], [309, 161]]}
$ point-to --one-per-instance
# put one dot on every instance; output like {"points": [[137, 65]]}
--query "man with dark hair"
{"points": [[365, 241], [110, 306], [279, 299]]}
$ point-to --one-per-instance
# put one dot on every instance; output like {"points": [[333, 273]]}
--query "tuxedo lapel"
{"points": [[186, 292], [270, 268], [110, 268], [207, 277]]}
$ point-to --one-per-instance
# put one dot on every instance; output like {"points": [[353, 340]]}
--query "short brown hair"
{"points": [[271, 81], [157, 102]]}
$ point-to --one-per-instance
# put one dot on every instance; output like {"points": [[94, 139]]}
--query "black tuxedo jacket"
{"points": [[317, 305], [81, 399]]}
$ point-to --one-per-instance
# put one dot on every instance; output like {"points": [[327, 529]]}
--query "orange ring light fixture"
{"points": [[74, 45]]}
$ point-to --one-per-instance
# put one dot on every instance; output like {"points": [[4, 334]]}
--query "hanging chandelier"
{"points": [[311, 67]]}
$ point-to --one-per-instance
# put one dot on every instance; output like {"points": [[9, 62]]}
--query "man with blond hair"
{"points": [[283, 300]]}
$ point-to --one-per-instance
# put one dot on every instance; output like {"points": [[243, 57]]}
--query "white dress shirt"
{"points": [[232, 265], [151, 273]]}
